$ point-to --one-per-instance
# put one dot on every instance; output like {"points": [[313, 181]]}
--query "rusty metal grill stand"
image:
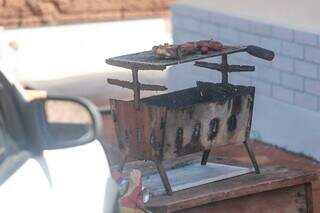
{"points": [[148, 61], [225, 69], [136, 86]]}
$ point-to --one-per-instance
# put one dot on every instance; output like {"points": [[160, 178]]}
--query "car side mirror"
{"points": [[68, 122]]}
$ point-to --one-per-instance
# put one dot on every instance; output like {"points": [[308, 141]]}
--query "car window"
{"points": [[11, 154], [12, 137]]}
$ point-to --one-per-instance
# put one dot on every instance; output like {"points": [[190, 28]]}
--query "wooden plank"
{"points": [[271, 178], [285, 200], [309, 197]]}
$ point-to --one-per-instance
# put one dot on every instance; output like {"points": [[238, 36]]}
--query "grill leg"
{"points": [[252, 157], [205, 157], [164, 177]]}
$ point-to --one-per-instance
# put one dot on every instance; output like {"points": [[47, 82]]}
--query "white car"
{"points": [[50, 156]]}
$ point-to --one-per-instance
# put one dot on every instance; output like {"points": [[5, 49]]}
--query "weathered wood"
{"points": [[286, 200], [271, 180], [309, 197]]}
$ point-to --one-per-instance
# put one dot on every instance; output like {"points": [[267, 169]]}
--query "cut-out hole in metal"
{"points": [[213, 128], [232, 123]]}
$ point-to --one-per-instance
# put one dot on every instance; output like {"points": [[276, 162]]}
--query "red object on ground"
{"points": [[133, 197]]}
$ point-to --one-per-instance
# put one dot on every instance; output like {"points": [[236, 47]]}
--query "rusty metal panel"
{"points": [[139, 133], [183, 122], [190, 129]]}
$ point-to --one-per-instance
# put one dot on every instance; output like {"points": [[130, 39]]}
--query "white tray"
{"points": [[191, 175]]}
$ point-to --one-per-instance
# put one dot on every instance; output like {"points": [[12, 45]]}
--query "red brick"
{"points": [[15, 13]]}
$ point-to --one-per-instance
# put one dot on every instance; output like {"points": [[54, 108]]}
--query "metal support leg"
{"points": [[225, 69], [136, 88], [164, 178], [252, 157], [205, 157]]}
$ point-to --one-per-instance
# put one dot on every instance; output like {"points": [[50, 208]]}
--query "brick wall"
{"points": [[15, 13], [293, 77]]}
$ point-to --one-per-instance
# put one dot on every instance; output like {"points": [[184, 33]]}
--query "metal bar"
{"points": [[219, 67], [148, 61], [224, 63], [152, 87], [134, 65], [164, 177], [252, 157], [205, 157], [136, 88], [120, 83], [129, 85], [241, 68], [213, 66]]}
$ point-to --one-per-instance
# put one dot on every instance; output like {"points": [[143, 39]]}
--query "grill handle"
{"points": [[260, 52]]}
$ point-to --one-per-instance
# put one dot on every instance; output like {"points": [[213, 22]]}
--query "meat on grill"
{"points": [[188, 48]]}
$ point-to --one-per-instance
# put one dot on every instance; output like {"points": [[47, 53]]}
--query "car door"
{"points": [[35, 169]]}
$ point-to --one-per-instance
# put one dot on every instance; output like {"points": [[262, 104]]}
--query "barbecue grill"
{"points": [[175, 124]]}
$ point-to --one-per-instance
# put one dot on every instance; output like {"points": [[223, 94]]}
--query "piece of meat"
{"points": [[210, 44], [188, 48], [204, 50], [177, 51], [215, 45], [166, 51]]}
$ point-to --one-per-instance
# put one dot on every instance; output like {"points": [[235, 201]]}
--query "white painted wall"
{"points": [[287, 104], [291, 127], [59, 51]]}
